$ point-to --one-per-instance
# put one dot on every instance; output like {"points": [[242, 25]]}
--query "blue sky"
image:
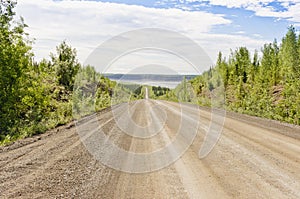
{"points": [[244, 21], [216, 25]]}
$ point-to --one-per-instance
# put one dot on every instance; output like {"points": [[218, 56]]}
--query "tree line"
{"points": [[266, 86], [37, 96]]}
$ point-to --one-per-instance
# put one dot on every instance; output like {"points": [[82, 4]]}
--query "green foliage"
{"points": [[159, 91], [65, 64], [135, 89], [15, 66], [289, 56], [269, 73], [35, 97], [266, 87], [93, 92]]}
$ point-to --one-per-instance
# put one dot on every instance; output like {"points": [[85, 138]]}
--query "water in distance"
{"points": [[169, 81]]}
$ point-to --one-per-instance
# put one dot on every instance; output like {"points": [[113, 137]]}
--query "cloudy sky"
{"points": [[215, 25]]}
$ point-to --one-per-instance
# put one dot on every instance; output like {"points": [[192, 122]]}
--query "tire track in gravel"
{"points": [[252, 158]]}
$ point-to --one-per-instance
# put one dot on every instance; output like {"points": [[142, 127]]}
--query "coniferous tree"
{"points": [[288, 55]]}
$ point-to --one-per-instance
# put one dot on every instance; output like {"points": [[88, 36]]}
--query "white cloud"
{"points": [[238, 4], [240, 32], [86, 24], [226, 42], [257, 35], [262, 8]]}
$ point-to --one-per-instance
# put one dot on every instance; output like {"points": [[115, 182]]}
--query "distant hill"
{"points": [[148, 77]]}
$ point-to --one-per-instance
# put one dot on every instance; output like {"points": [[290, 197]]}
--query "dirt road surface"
{"points": [[254, 158]]}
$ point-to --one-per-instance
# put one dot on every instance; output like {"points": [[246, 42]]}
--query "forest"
{"points": [[266, 86], [37, 96]]}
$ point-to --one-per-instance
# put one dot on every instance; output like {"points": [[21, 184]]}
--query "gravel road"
{"points": [[253, 158]]}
